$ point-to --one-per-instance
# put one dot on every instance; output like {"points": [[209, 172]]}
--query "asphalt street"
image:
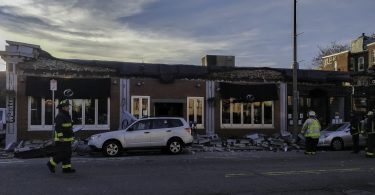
{"points": [[255, 172]]}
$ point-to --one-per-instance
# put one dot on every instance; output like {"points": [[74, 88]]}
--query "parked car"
{"points": [[337, 137], [171, 133]]}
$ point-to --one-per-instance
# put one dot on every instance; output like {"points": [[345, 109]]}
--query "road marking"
{"points": [[238, 174], [310, 171], [10, 162], [283, 173]]}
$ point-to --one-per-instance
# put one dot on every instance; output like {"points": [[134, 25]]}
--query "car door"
{"points": [[345, 135], [138, 134], [160, 132]]}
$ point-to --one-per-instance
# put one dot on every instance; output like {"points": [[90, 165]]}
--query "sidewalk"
{"points": [[5, 155]]}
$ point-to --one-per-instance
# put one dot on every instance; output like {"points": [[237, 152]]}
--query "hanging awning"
{"points": [[249, 92], [81, 88]]}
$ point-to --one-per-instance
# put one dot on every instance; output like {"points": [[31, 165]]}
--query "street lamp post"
{"points": [[295, 69]]}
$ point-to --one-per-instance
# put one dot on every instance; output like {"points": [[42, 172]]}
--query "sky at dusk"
{"points": [[257, 32]]}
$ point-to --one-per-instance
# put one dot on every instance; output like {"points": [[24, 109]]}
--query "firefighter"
{"points": [[355, 129], [63, 137], [370, 131], [311, 131]]}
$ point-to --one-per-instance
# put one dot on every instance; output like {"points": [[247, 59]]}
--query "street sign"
{"points": [[53, 85]]}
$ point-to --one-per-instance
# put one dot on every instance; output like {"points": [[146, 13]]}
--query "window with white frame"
{"points": [[361, 64], [246, 115], [40, 112], [195, 110], [92, 114], [352, 64], [140, 106]]}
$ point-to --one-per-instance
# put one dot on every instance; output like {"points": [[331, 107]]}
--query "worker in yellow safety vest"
{"points": [[311, 131]]}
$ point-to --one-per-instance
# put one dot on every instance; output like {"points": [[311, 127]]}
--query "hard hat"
{"points": [[311, 113], [370, 113], [63, 103]]}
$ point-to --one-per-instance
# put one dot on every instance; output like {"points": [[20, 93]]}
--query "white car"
{"points": [[172, 133]]}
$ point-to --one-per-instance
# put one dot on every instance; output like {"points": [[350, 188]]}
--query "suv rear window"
{"points": [[175, 123]]}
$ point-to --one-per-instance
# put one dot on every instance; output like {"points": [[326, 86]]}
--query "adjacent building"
{"points": [[359, 61]]}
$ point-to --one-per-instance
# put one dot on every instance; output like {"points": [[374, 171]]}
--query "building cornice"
{"points": [[335, 54]]}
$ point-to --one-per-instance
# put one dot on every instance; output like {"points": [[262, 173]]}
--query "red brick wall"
{"points": [[342, 60]]}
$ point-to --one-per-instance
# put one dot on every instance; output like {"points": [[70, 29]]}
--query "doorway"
{"points": [[168, 109]]}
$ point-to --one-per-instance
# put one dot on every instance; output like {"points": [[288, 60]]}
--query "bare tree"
{"points": [[334, 47]]}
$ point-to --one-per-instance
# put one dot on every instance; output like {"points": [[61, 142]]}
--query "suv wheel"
{"points": [[175, 146], [112, 148]]}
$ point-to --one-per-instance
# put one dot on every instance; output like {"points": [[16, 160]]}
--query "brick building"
{"points": [[359, 61]]}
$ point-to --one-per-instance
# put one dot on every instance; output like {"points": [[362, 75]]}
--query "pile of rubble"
{"points": [[255, 142], [43, 148], [202, 143]]}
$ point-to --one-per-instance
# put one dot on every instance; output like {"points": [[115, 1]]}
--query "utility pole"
{"points": [[295, 69]]}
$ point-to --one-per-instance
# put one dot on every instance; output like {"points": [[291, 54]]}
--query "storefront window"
{"points": [[48, 110], [246, 115], [225, 111], [267, 106], [36, 111], [236, 113], [195, 110], [102, 111], [257, 113], [140, 106], [89, 111], [77, 111]]}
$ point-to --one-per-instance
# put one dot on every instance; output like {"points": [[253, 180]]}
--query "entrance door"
{"points": [[168, 109]]}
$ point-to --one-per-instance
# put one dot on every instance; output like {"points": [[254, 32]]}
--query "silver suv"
{"points": [[172, 133]]}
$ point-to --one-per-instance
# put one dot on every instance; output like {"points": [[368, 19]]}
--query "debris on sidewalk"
{"points": [[253, 142], [34, 149]]}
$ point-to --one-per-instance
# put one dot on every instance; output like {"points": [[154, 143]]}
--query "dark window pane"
{"points": [[225, 111], [36, 111], [142, 125], [102, 111], [89, 111], [77, 111], [268, 112], [174, 123], [236, 113], [159, 123], [48, 112], [257, 113], [247, 113]]}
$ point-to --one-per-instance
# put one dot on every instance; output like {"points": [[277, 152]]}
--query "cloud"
{"points": [[257, 32]]}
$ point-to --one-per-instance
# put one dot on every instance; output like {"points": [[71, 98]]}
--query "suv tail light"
{"points": [[188, 130]]}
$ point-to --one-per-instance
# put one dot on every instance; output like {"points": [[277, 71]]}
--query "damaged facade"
{"points": [[225, 100]]}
